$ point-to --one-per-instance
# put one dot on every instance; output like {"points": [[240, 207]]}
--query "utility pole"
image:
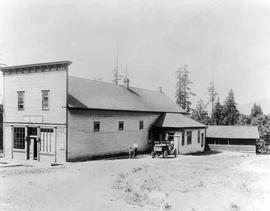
{"points": [[116, 76]]}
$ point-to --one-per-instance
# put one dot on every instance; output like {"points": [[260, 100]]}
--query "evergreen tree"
{"points": [[256, 110], [200, 113], [263, 123], [244, 119], [212, 96], [183, 90], [217, 114], [229, 111]]}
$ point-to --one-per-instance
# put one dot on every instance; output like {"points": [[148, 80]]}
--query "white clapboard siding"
{"points": [[32, 84], [194, 146], [84, 143]]}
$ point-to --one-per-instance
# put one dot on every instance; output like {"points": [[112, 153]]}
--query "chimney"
{"points": [[126, 82], [160, 89]]}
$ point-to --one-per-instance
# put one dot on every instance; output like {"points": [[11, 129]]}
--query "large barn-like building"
{"points": [[53, 117]]}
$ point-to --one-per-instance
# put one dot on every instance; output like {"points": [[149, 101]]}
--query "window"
{"points": [[183, 139], [19, 138], [141, 125], [189, 137], [45, 99], [21, 100], [46, 136], [199, 136], [202, 140], [96, 126], [120, 125]]}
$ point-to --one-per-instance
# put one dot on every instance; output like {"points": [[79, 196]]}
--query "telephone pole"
{"points": [[116, 76]]}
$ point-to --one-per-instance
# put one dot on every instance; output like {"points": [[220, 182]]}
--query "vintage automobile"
{"points": [[164, 149]]}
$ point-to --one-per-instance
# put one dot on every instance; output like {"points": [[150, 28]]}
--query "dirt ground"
{"points": [[217, 181]]}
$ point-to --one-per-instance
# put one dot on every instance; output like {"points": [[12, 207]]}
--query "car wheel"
{"points": [[153, 154], [165, 153]]}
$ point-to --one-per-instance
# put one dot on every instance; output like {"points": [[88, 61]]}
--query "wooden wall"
{"points": [[194, 146], [32, 83], [84, 143]]}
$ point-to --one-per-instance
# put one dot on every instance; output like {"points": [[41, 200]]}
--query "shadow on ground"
{"points": [[206, 153]]}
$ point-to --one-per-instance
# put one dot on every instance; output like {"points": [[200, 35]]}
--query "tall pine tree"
{"points": [[229, 111], [217, 114], [212, 96], [183, 90]]}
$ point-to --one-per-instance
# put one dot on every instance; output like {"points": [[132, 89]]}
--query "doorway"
{"points": [[28, 146], [202, 141], [31, 143], [34, 148]]}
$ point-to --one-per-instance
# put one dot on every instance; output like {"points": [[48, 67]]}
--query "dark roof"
{"points": [[233, 132], [8, 68], [172, 120], [91, 94]]}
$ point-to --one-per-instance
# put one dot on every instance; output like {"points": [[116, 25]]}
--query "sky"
{"points": [[226, 40]]}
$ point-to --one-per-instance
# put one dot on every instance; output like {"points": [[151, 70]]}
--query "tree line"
{"points": [[225, 113]]}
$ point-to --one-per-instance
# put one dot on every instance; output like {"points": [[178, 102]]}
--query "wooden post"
{"points": [[12, 140], [55, 145], [25, 140], [38, 143]]}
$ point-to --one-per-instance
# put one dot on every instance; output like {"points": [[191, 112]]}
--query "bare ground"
{"points": [[222, 181]]}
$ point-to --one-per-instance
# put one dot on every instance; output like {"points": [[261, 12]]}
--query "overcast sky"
{"points": [[230, 38]]}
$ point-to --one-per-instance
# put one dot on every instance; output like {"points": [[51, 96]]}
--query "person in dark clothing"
{"points": [[131, 152], [135, 149]]}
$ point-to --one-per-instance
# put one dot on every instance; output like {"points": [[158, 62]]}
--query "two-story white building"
{"points": [[50, 116]]}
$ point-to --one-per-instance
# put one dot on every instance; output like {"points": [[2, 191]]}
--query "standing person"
{"points": [[135, 150], [131, 152]]}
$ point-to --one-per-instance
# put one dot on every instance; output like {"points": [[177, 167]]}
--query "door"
{"points": [[28, 146], [35, 149], [177, 141], [202, 141]]}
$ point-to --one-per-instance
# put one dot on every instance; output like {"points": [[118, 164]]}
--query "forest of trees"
{"points": [[225, 113]]}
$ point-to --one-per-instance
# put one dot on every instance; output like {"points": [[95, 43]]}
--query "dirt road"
{"points": [[223, 181]]}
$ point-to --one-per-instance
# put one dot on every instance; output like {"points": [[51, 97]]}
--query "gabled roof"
{"points": [[234, 132], [91, 94], [172, 120]]}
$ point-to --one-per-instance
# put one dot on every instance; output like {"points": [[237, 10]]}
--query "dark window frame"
{"points": [[19, 138], [203, 139], [45, 108], [121, 125], [183, 139], [189, 137], [199, 136], [21, 100], [96, 126], [141, 124]]}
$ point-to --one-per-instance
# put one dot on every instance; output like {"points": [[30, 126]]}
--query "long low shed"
{"points": [[232, 138]]}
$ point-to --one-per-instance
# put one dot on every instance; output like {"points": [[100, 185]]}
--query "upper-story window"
{"points": [[141, 125], [96, 126], [21, 100], [45, 99], [121, 125]]}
